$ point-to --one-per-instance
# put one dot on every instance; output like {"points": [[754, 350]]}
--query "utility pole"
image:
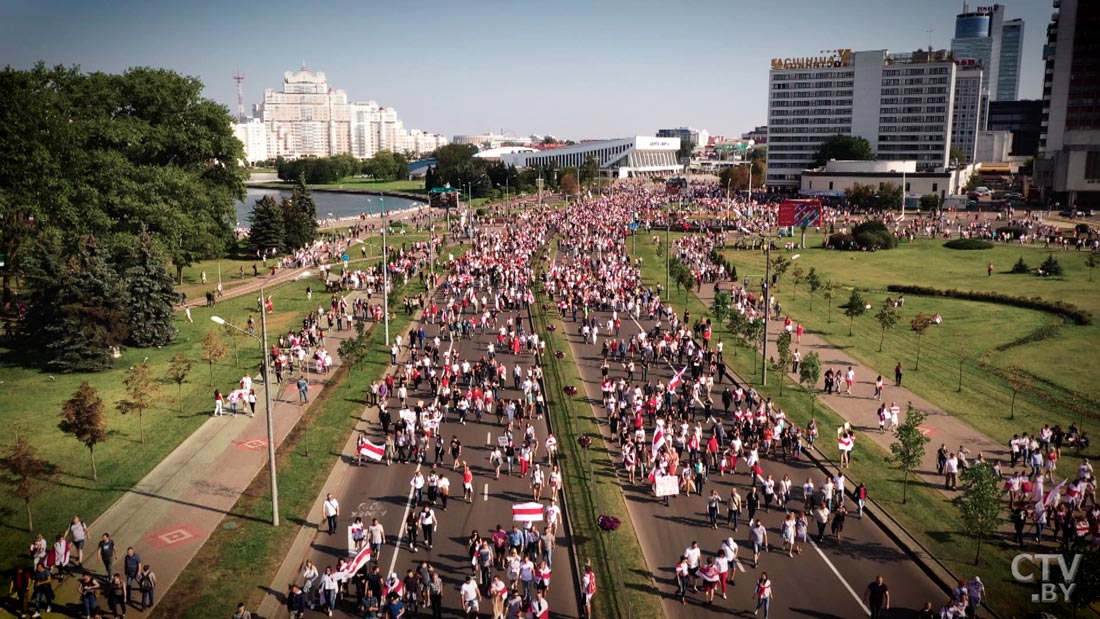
{"points": [[767, 309], [385, 273], [267, 409]]}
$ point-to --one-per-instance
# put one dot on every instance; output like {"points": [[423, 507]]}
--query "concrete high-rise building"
{"points": [[984, 35], [1023, 118], [1070, 132], [309, 118], [967, 117], [901, 103], [698, 137], [253, 134]]}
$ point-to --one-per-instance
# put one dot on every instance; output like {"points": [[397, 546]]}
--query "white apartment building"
{"points": [[253, 135], [902, 104], [968, 117], [309, 118]]}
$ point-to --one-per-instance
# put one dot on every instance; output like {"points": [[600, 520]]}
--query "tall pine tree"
{"points": [[267, 225], [300, 216], [80, 303], [151, 296]]}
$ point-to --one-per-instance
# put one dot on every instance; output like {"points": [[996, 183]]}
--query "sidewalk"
{"points": [[860, 408], [172, 511]]}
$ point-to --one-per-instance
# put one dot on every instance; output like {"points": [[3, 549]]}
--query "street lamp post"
{"points": [[767, 309], [385, 273], [265, 371]]}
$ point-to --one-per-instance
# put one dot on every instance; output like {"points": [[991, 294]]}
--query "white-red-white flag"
{"points": [[676, 380], [658, 442], [351, 568], [372, 451], [1054, 495], [527, 512], [845, 442]]}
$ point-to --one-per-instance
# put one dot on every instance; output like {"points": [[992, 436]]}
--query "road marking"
{"points": [[836, 572], [489, 438], [486, 495]]}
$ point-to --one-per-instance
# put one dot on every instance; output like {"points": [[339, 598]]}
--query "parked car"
{"points": [[1082, 213]]}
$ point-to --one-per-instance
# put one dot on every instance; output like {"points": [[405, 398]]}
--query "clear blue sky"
{"points": [[572, 69]]}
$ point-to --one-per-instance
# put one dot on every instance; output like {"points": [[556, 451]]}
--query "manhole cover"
{"points": [[231, 525]]}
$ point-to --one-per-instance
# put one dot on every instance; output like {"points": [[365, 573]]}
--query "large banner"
{"points": [[667, 485], [799, 213]]}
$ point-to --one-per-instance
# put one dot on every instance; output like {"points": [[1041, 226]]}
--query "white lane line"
{"points": [[836, 573], [404, 518], [737, 562]]}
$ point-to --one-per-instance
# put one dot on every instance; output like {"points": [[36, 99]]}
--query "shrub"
{"points": [[873, 234], [1058, 308], [1081, 229], [481, 212], [1021, 266], [1050, 267], [841, 241], [1014, 232], [968, 244]]}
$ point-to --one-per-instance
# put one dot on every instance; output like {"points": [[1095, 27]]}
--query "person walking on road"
{"points": [[733, 508], [303, 390], [821, 516], [427, 524], [763, 595], [588, 586], [131, 568], [471, 598], [79, 531], [877, 597], [147, 582], [331, 510], [758, 535]]}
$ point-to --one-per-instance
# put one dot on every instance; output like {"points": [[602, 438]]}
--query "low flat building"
{"points": [[621, 158], [838, 177]]}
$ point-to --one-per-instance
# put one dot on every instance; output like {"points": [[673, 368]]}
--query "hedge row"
{"points": [[968, 244], [1066, 310]]}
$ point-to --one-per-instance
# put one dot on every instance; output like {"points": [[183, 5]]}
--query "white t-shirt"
{"points": [[469, 592], [692, 556], [332, 507]]}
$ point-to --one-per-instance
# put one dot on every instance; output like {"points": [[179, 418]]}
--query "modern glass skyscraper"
{"points": [[1012, 43], [984, 35]]}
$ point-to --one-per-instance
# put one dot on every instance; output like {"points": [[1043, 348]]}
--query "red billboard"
{"points": [[800, 213]]}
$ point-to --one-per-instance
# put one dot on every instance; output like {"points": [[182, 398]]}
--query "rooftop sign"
{"points": [[830, 58]]}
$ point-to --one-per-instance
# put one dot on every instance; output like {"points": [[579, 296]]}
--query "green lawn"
{"points": [[927, 514], [971, 332], [31, 401]]}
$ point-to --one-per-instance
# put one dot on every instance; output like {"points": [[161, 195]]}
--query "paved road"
{"points": [[381, 491], [824, 581]]}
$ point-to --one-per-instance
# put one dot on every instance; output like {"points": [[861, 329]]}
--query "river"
{"points": [[329, 204]]}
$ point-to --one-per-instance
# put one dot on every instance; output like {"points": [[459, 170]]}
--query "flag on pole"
{"points": [[352, 567], [658, 442], [527, 512], [1054, 495], [676, 380], [372, 451]]}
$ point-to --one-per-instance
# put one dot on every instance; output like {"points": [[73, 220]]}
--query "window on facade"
{"points": [[1092, 165]]}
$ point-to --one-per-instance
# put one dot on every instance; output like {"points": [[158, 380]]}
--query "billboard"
{"points": [[800, 213]]}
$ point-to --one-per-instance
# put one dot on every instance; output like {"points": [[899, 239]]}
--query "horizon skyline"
{"points": [[517, 72]]}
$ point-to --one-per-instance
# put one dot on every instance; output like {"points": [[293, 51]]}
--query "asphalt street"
{"points": [[826, 580], [376, 490]]}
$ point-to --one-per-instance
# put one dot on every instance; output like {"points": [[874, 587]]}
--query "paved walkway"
{"points": [[860, 408], [172, 511]]}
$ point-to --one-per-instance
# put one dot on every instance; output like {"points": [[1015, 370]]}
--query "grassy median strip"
{"points": [[927, 515], [237, 561], [593, 487]]}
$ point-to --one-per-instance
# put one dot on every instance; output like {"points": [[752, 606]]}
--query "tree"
{"points": [[929, 202], [809, 372], [831, 289], [782, 356], [843, 148], [26, 474], [887, 318], [178, 371], [686, 148], [979, 504], [907, 450], [141, 394], [722, 302], [83, 417], [78, 306], [780, 264], [268, 230], [569, 185], [150, 297], [213, 351], [1051, 267], [798, 275], [299, 216], [861, 197], [353, 350], [1092, 262], [753, 332], [1019, 380], [919, 325], [814, 283], [855, 306], [590, 170], [1086, 582], [104, 155]]}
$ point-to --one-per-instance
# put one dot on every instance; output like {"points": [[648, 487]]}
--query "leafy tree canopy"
{"points": [[843, 148]]}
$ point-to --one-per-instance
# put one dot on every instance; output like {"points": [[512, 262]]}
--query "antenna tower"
{"points": [[239, 78]]}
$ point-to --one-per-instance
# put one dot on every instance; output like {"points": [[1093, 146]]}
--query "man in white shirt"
{"points": [[331, 510], [471, 597], [376, 537], [427, 524], [692, 554]]}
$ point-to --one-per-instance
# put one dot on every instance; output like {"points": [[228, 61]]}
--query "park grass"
{"points": [[236, 562], [927, 514], [31, 400], [981, 339], [592, 486]]}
